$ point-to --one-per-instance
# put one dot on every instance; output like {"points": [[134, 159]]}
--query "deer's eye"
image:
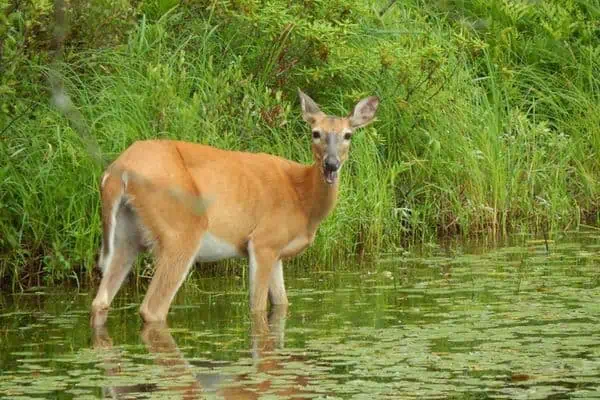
{"points": [[347, 136], [316, 134]]}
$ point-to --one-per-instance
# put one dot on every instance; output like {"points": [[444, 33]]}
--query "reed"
{"points": [[489, 122]]}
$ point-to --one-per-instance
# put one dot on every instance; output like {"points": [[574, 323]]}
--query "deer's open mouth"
{"points": [[331, 175]]}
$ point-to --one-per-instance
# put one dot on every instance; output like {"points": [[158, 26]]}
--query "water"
{"points": [[462, 323]]}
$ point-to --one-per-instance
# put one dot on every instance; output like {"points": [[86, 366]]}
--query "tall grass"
{"points": [[477, 131]]}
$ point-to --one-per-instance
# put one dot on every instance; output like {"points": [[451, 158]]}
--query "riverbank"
{"points": [[489, 121]]}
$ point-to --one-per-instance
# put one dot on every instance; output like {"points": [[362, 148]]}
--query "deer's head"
{"points": [[331, 135]]}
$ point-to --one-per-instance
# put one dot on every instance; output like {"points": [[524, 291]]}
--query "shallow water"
{"points": [[511, 322]]}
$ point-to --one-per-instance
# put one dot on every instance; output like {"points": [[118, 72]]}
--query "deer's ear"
{"points": [[310, 109], [364, 112]]}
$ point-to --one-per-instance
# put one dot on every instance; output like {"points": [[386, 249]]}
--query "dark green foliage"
{"points": [[489, 119]]}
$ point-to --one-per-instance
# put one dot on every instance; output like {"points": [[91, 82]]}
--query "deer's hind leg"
{"points": [[174, 258], [122, 242]]}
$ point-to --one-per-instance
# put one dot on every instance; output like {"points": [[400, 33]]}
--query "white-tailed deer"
{"points": [[264, 207]]}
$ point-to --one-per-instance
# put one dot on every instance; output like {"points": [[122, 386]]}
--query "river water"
{"points": [[463, 321]]}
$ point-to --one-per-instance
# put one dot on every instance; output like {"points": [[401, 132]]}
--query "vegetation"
{"points": [[489, 122]]}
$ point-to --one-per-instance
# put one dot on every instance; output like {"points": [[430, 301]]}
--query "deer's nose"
{"points": [[332, 164]]}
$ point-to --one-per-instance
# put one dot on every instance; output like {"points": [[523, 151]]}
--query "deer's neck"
{"points": [[320, 197]]}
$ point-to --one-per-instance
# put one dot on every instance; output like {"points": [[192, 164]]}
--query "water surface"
{"points": [[461, 322]]}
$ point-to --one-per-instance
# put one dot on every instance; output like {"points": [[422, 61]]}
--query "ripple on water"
{"points": [[513, 322]]}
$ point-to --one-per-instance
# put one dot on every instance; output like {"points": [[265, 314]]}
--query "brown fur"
{"points": [[266, 207]]}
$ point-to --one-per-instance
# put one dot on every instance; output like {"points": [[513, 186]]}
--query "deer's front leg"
{"points": [[262, 261], [277, 293]]}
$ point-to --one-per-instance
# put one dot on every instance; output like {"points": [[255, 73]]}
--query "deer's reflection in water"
{"points": [[173, 373]]}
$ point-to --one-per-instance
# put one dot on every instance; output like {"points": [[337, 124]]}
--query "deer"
{"points": [[262, 207]]}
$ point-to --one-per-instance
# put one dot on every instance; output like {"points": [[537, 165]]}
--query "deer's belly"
{"points": [[213, 248]]}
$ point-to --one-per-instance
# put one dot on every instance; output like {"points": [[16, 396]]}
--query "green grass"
{"points": [[489, 121]]}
